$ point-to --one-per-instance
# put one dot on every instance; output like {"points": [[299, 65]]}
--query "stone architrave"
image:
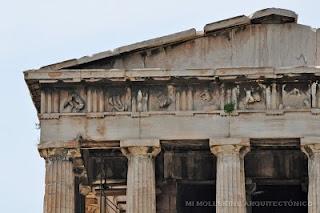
{"points": [[311, 147], [59, 181], [141, 182], [230, 186]]}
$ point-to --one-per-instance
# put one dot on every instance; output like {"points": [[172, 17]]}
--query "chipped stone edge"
{"points": [[78, 75], [227, 23], [274, 11]]}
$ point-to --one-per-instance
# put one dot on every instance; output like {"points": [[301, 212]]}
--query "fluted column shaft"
{"points": [[311, 147], [59, 183], [141, 181], [230, 185]]}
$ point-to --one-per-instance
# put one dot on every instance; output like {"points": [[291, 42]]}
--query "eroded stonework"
{"points": [[228, 115], [278, 92]]}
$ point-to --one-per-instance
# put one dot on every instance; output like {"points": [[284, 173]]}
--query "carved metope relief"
{"points": [[296, 96], [252, 96], [162, 98], [206, 97], [167, 98], [118, 99], [74, 102]]}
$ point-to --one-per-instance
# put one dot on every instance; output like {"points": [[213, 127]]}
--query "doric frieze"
{"points": [[196, 96], [218, 91]]}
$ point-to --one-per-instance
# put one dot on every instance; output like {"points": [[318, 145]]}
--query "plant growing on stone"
{"points": [[229, 108]]}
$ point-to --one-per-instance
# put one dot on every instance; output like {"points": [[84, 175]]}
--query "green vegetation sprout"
{"points": [[229, 107]]}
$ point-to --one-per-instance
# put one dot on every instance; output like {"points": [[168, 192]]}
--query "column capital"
{"points": [[229, 146], [59, 153], [140, 147], [310, 145]]}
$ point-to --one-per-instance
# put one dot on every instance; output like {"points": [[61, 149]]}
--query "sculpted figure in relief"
{"points": [[296, 97], [166, 100], [252, 98], [75, 102], [120, 102], [116, 103], [207, 100], [205, 96], [294, 92]]}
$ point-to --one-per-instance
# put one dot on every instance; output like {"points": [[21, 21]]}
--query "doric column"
{"points": [[311, 147], [230, 185], [141, 181], [59, 181]]}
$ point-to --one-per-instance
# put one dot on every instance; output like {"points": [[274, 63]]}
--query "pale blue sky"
{"points": [[39, 32]]}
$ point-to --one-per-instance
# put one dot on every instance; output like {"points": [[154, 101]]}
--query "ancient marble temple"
{"points": [[223, 120]]}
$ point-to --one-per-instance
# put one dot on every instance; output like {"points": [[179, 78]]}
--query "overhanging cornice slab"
{"points": [[77, 75]]}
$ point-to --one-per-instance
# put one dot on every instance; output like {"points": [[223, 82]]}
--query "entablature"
{"points": [[143, 92]]}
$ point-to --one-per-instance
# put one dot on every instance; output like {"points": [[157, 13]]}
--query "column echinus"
{"points": [[59, 180], [141, 181], [230, 182], [311, 147]]}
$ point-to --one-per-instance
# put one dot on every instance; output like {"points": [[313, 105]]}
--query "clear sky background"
{"points": [[40, 32]]}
